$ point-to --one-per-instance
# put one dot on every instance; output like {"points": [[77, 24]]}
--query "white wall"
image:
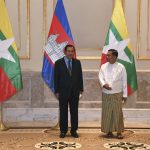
{"points": [[89, 20]]}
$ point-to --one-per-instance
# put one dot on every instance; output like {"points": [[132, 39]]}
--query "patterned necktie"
{"points": [[69, 67]]}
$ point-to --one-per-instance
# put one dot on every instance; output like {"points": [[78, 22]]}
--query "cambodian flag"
{"points": [[59, 36]]}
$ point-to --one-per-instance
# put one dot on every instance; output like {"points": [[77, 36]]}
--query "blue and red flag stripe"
{"points": [[59, 25]]}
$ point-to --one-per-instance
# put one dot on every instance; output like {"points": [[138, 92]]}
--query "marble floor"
{"points": [[90, 138]]}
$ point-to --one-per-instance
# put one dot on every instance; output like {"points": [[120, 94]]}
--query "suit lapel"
{"points": [[73, 66]]}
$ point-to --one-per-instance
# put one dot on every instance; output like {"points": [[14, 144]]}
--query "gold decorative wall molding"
{"points": [[44, 21], [27, 56], [138, 42], [91, 70], [26, 50], [28, 28], [19, 27], [148, 25], [139, 32], [89, 57]]}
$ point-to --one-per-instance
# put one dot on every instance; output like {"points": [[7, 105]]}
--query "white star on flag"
{"points": [[54, 49], [4, 52], [117, 45]]}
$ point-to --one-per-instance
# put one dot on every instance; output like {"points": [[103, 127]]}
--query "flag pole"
{"points": [[2, 126], [56, 127]]}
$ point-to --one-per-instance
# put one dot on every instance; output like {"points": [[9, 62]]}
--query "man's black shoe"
{"points": [[109, 135], [62, 135], [74, 134]]}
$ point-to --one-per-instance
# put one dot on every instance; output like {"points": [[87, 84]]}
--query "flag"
{"points": [[117, 38], [59, 36], [10, 72]]}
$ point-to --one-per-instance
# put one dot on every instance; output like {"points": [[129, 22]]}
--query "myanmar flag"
{"points": [[117, 38], [10, 73]]}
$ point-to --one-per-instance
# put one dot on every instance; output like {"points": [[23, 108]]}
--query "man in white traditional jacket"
{"points": [[113, 79]]}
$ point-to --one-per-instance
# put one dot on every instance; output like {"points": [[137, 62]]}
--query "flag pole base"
{"points": [[3, 127], [56, 127]]}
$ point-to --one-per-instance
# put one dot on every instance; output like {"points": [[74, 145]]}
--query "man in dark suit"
{"points": [[68, 83]]}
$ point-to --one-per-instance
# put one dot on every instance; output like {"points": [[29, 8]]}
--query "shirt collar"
{"points": [[66, 59]]}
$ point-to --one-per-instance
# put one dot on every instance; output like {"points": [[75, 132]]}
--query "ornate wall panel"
{"points": [[19, 13], [143, 30], [89, 21], [85, 18]]}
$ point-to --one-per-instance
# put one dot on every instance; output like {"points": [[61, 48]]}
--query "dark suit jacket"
{"points": [[64, 84]]}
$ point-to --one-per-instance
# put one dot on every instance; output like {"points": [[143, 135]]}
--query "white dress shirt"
{"points": [[115, 76]]}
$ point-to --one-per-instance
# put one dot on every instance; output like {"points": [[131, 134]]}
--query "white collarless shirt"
{"points": [[115, 76]]}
